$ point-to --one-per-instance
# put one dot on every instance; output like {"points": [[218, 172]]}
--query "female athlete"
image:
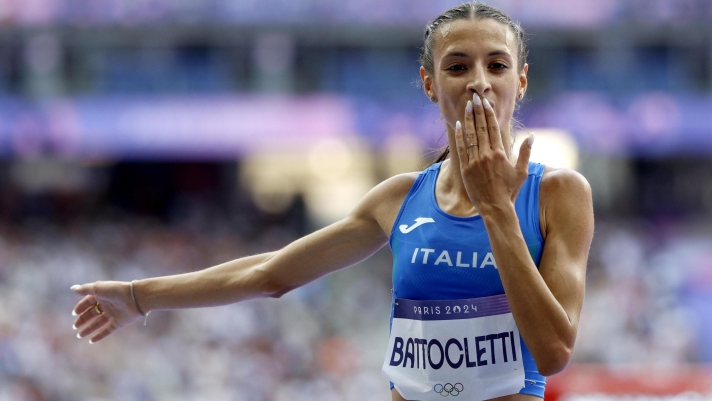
{"points": [[489, 253]]}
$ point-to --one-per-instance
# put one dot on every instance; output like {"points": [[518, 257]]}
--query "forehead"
{"points": [[475, 35]]}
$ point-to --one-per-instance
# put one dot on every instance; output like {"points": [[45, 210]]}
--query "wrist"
{"points": [[497, 211], [135, 298]]}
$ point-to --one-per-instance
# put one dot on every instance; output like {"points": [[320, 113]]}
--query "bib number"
{"points": [[467, 348]]}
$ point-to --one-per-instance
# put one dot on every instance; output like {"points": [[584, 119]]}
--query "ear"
{"points": [[428, 87], [523, 81]]}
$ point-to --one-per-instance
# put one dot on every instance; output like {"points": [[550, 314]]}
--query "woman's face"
{"points": [[475, 56]]}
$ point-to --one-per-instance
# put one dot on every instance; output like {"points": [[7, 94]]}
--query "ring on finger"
{"points": [[471, 145], [97, 309]]}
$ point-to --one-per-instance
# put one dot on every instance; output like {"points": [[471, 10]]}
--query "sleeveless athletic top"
{"points": [[437, 256]]}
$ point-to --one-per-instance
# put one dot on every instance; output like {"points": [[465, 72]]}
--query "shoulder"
{"points": [[395, 187], [383, 202], [564, 197], [563, 181]]}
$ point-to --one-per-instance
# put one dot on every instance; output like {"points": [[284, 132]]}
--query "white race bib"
{"points": [[465, 348]]}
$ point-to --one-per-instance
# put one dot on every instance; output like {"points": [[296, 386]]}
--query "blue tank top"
{"points": [[437, 256]]}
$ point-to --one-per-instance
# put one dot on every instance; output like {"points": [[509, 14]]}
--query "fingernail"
{"points": [[487, 104], [74, 326], [476, 99], [74, 313], [468, 108], [78, 336], [530, 140], [91, 341], [458, 126], [74, 287]]}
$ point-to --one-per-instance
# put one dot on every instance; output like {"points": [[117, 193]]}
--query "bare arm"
{"points": [[339, 245], [546, 303]]}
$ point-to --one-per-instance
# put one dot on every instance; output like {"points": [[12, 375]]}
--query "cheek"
{"points": [[507, 98], [450, 94], [446, 105], [450, 111], [506, 110]]}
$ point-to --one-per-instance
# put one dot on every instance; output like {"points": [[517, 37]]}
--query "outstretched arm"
{"points": [[273, 274], [339, 245]]}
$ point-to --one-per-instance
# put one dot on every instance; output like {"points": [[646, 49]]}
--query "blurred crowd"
{"points": [[647, 295], [88, 13], [324, 341]]}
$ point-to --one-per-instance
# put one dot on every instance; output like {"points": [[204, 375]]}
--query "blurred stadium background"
{"points": [[151, 137]]}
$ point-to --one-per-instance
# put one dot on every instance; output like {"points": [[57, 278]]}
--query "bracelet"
{"points": [[133, 298]]}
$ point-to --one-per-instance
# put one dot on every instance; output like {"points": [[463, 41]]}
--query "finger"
{"points": [[470, 135], [83, 289], [460, 146], [480, 124], [86, 317], [93, 326], [494, 135], [525, 151], [105, 332], [82, 306]]}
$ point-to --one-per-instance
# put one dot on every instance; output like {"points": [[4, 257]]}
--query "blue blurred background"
{"points": [[151, 137]]}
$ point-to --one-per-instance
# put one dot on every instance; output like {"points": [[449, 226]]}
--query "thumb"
{"points": [[84, 289], [525, 151]]}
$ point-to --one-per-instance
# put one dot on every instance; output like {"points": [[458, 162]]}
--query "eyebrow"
{"points": [[490, 54]]}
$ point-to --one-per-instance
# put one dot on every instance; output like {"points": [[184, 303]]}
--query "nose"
{"points": [[478, 81]]}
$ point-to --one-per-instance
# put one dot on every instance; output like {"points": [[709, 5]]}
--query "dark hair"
{"points": [[469, 10]]}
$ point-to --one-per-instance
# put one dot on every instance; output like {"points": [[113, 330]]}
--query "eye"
{"points": [[498, 66], [456, 67]]}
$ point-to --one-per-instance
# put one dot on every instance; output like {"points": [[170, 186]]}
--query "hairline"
{"points": [[473, 16]]}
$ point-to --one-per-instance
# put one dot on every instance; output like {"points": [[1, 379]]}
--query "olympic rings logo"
{"points": [[449, 389]]}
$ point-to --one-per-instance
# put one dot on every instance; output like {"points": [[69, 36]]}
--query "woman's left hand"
{"points": [[490, 179]]}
